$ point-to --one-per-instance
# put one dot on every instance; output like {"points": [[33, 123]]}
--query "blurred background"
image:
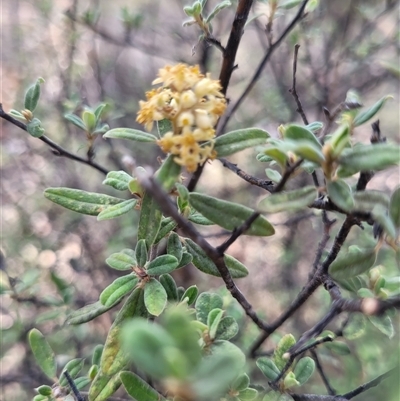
{"points": [[92, 52]]}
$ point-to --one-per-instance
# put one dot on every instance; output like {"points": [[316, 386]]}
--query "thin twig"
{"points": [[58, 150], [237, 232], [288, 172], [320, 369], [293, 90], [265, 184]]}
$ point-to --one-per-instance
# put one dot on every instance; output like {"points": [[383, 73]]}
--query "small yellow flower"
{"points": [[193, 103]]}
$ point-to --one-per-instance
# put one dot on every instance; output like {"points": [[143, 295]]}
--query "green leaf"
{"points": [[138, 389], [206, 265], [118, 180], [340, 194], [34, 128], [149, 221], [229, 215], [186, 259], [314, 126], [73, 367], [366, 115], [174, 246], [32, 95], [383, 324], [352, 263], [88, 313], [380, 215], [394, 208], [290, 381], [118, 289], [213, 320], [338, 347], [236, 141], [205, 303], [241, 383], [123, 260], [129, 133], [161, 265], [306, 149], [111, 212], [356, 327], [370, 157], [97, 352], [199, 219], [81, 201], [299, 133], [304, 369], [72, 118], [168, 174], [81, 382], [44, 390], [339, 140], [268, 368], [248, 394], [40, 397], [113, 357], [99, 110], [288, 201], [285, 343], [155, 297], [170, 287], [43, 353], [141, 253], [227, 329], [167, 225], [273, 174], [190, 295], [89, 119], [276, 154]]}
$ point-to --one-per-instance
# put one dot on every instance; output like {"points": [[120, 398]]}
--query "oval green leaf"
{"points": [[238, 140], [88, 313], [300, 133], [118, 289], [138, 389], [304, 369], [229, 215], [118, 180], [81, 201], [131, 134], [123, 260], [149, 221], [162, 264], [352, 263], [43, 353], [268, 368], [370, 157], [155, 297], [73, 368], [111, 212], [366, 115], [340, 194]]}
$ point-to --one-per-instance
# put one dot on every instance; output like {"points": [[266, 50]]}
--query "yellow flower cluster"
{"points": [[193, 103]]}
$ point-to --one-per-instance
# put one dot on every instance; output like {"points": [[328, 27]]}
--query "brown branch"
{"points": [[260, 68], [293, 90], [228, 63], [265, 184], [320, 369], [287, 174], [57, 149]]}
